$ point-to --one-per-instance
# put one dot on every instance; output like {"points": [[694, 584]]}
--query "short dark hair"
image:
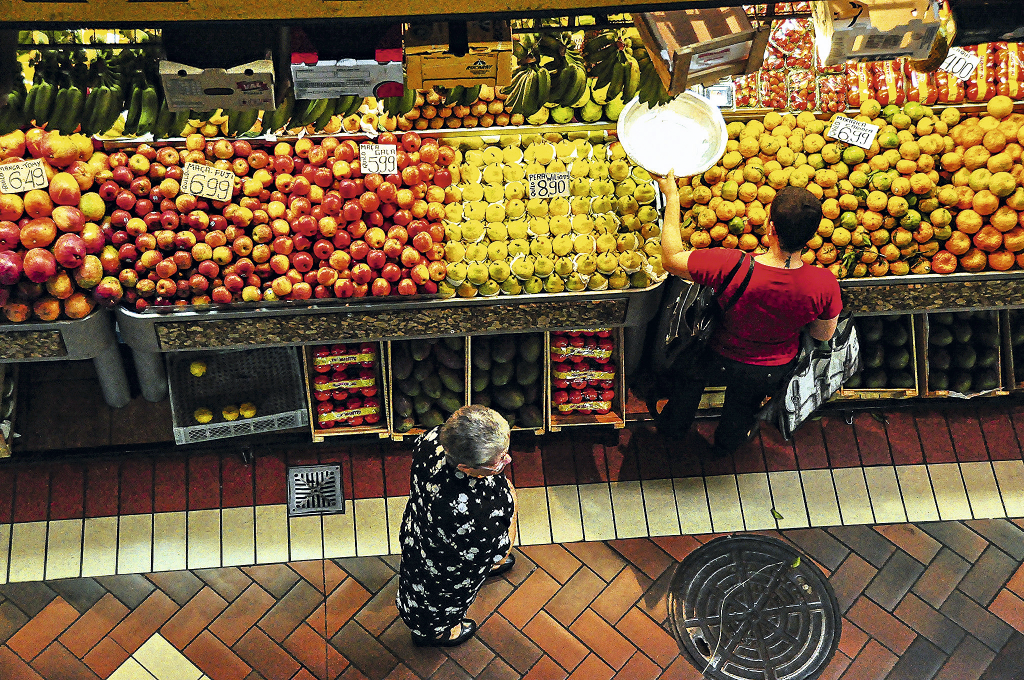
{"points": [[474, 436], [796, 214]]}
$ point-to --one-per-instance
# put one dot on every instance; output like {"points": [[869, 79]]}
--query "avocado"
{"points": [[961, 382], [875, 379], [422, 404], [482, 398], [944, 318], [940, 336], [503, 349], [873, 355], [401, 361], [452, 380], [423, 368], [938, 359], [531, 416], [447, 357], [509, 398], [432, 419], [854, 382], [482, 353], [898, 358], [986, 379], [870, 328], [1017, 334], [420, 349], [432, 386], [986, 338], [449, 402], [530, 346], [454, 343], [988, 357], [896, 334], [938, 381], [527, 372], [410, 387], [502, 373], [532, 393], [405, 424], [481, 379], [964, 356], [962, 332], [901, 380], [403, 406]]}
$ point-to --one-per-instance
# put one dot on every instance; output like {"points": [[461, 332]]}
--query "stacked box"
{"points": [[346, 389]]}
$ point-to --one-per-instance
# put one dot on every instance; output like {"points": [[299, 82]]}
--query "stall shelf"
{"points": [[89, 338]]}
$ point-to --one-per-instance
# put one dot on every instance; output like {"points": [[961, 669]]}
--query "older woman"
{"points": [[458, 527]]}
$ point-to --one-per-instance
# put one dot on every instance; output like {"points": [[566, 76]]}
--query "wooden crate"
{"points": [[1010, 320], [925, 351], [545, 383], [616, 417], [418, 430], [380, 428], [871, 394]]}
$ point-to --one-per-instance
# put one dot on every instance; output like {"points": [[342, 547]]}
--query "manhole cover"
{"points": [[750, 607], [315, 490]]}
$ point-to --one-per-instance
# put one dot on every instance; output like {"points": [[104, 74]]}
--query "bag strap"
{"points": [[743, 285]]}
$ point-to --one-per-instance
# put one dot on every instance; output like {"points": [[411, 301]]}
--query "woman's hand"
{"points": [[667, 184]]}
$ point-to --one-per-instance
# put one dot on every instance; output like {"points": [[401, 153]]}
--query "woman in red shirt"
{"points": [[759, 337]]}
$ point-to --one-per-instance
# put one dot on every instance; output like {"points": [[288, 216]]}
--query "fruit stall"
{"points": [[392, 258]]}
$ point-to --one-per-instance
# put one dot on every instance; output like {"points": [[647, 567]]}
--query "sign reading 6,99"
{"points": [[855, 132], [17, 178], [549, 184], [207, 181]]}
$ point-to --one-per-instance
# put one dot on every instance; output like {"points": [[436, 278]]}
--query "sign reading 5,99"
{"points": [[379, 158], [17, 178], [549, 184], [207, 181]]}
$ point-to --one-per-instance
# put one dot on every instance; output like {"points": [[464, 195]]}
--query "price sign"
{"points": [[379, 158], [853, 132], [549, 184], [960, 63], [207, 181], [17, 178]]}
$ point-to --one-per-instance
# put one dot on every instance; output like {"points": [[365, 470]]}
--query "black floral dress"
{"points": [[455, 529]]}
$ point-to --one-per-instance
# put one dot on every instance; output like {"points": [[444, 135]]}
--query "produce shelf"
{"points": [[267, 378], [486, 343], [982, 330], [320, 433], [875, 335], [616, 417]]}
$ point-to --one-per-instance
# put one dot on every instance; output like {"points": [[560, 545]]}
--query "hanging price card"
{"points": [[853, 132], [16, 178], [207, 181], [379, 158], [960, 63], [549, 184]]}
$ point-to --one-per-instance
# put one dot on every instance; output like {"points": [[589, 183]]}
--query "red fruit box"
{"points": [[587, 383], [345, 389], [1010, 70], [860, 85], [772, 88], [832, 93], [950, 89], [921, 87], [981, 86], [803, 91], [888, 82], [794, 39], [745, 91]]}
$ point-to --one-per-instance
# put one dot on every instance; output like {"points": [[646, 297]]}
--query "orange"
{"points": [[976, 157], [719, 232], [730, 241], [988, 239], [994, 141], [974, 260], [700, 239], [1004, 219], [1013, 240], [958, 243], [1001, 260], [985, 202], [968, 222]]}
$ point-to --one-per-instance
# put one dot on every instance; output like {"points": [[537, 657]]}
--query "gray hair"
{"points": [[474, 436]]}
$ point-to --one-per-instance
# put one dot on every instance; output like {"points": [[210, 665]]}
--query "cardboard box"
{"points": [[361, 77], [431, 59], [246, 87], [873, 30], [701, 46]]}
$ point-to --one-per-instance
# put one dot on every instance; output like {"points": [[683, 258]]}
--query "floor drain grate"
{"points": [[749, 607], [315, 490]]}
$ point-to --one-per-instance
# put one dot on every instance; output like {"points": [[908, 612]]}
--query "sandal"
{"points": [[467, 628], [504, 567]]}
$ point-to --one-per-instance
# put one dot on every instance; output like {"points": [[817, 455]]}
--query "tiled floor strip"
{"points": [[205, 539]]}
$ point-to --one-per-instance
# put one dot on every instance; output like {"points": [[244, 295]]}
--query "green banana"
{"points": [[353, 107], [615, 84], [59, 110], [43, 105], [407, 102], [178, 124], [162, 126], [632, 83], [324, 119], [454, 95], [73, 115], [28, 106], [469, 95], [131, 122], [543, 87], [576, 88], [278, 118], [150, 109]]}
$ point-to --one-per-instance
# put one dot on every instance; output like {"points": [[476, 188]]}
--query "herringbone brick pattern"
{"points": [[942, 601]]}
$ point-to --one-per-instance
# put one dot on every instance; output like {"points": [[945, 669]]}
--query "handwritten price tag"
{"points": [[549, 184], [16, 178], [207, 181], [853, 132], [379, 158], [960, 63]]}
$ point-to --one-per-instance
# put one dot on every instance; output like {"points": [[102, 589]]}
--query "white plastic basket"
{"points": [[687, 135]]}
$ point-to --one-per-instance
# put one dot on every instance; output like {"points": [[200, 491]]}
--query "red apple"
{"points": [[359, 250], [410, 257], [406, 287], [376, 258], [39, 265], [411, 141], [419, 274], [438, 270], [343, 288], [302, 261], [422, 241], [380, 287], [391, 272], [361, 273], [69, 250], [392, 248]]}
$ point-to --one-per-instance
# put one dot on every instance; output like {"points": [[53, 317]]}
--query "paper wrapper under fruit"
{"points": [[1010, 70], [981, 86], [346, 359], [585, 406], [557, 353], [588, 375], [921, 87], [343, 385], [344, 416]]}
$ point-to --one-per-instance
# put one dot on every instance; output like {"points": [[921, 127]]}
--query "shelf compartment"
{"points": [[884, 340], [311, 361], [538, 390], [616, 416]]}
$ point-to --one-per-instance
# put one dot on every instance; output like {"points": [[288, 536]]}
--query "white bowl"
{"points": [[686, 135]]}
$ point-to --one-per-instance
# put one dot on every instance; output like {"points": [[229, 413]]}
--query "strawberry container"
{"points": [[346, 389], [587, 378]]}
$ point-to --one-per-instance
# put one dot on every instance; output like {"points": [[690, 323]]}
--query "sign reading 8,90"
{"points": [[549, 184], [207, 181]]}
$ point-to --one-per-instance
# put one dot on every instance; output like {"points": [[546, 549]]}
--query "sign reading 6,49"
{"points": [[207, 181], [549, 184], [22, 176]]}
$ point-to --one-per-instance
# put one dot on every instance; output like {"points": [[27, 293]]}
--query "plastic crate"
{"points": [[380, 428], [544, 384], [867, 346], [616, 417], [271, 379]]}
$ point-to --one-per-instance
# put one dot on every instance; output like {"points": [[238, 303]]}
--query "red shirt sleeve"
{"points": [[831, 296], [710, 266]]}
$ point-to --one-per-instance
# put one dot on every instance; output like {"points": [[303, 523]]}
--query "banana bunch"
{"points": [[319, 112], [652, 90], [169, 123], [568, 86], [279, 117], [399, 106], [612, 64], [143, 108], [12, 114], [529, 90]]}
